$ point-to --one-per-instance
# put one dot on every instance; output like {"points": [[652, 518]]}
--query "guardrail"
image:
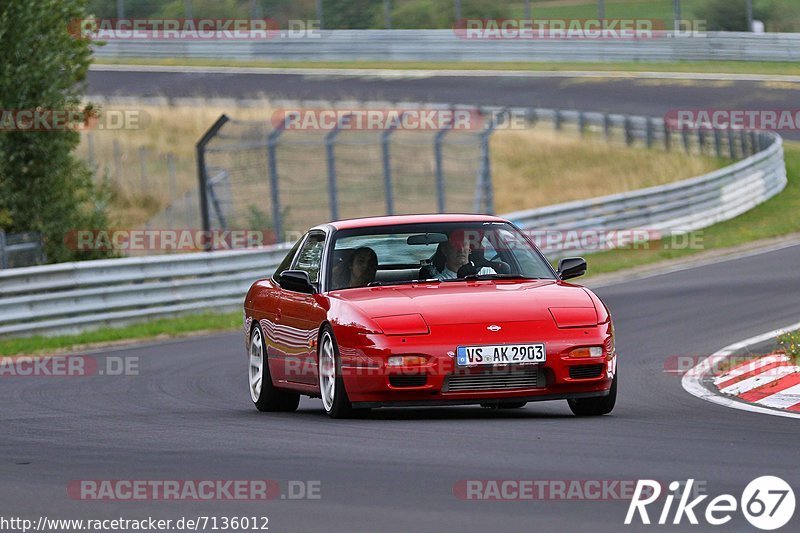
{"points": [[445, 45], [74, 296]]}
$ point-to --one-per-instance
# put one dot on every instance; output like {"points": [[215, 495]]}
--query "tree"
{"points": [[43, 186]]}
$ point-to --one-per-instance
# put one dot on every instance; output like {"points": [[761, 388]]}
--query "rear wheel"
{"points": [[331, 385], [265, 396], [595, 406]]}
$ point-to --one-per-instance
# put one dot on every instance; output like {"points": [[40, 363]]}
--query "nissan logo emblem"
{"points": [[494, 327]]}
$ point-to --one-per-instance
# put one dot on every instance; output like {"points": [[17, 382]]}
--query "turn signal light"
{"points": [[588, 351], [406, 360]]}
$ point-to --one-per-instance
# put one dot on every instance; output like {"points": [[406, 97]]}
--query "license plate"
{"points": [[503, 354]]}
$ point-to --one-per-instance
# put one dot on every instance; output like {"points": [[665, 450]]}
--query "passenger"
{"points": [[356, 271], [456, 252]]}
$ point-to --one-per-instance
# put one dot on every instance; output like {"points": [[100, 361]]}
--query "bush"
{"points": [[43, 187], [731, 15], [423, 14]]}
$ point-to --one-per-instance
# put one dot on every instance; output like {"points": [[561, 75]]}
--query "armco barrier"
{"points": [[445, 45], [74, 296]]}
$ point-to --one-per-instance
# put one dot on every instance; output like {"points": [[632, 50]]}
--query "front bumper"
{"points": [[370, 382]]}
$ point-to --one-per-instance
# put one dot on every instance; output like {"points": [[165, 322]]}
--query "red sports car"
{"points": [[426, 310]]}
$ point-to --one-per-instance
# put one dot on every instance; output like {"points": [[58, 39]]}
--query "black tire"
{"points": [[340, 407], [505, 405], [595, 406], [268, 398]]}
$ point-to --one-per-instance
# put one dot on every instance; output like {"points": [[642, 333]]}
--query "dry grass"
{"points": [[538, 167], [531, 168]]}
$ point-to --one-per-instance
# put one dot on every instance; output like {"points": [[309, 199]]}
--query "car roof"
{"points": [[369, 222]]}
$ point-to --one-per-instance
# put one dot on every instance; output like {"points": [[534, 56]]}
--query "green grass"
{"points": [[774, 218], [702, 67], [161, 329]]}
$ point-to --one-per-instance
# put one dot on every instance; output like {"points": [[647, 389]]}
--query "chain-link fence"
{"points": [[282, 181]]}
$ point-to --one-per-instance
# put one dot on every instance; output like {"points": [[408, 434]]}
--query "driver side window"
{"points": [[310, 257]]}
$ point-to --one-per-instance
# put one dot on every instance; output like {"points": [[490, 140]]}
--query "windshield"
{"points": [[392, 255]]}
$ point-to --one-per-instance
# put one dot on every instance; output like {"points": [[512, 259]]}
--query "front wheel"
{"points": [[262, 392], [331, 385], [596, 406]]}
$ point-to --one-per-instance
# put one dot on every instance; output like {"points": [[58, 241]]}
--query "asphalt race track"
{"points": [[187, 415], [615, 95]]}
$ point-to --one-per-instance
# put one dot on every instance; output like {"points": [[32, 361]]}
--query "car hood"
{"points": [[449, 303]]}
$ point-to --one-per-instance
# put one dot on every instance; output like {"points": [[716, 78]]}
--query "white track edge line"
{"points": [[692, 380]]}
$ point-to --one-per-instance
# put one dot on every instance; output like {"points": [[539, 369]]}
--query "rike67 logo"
{"points": [[767, 503]]}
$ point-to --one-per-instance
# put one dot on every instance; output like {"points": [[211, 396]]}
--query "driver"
{"points": [[456, 252]]}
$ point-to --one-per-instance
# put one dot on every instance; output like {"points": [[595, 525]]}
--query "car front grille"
{"points": [[493, 380], [408, 381], [585, 371]]}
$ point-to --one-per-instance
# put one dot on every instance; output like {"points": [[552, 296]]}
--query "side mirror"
{"points": [[571, 267], [297, 281]]}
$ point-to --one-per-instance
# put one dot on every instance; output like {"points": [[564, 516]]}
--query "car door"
{"points": [[300, 315]]}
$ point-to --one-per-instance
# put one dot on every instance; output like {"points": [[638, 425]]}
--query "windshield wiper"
{"points": [[404, 282]]}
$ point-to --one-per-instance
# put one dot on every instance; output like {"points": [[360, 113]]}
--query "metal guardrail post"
{"points": [[202, 176], [607, 126], [3, 256], [582, 123], [754, 146], [558, 120], [437, 155], [718, 143], [387, 165], [649, 132], [274, 189], [731, 145], [667, 136], [330, 143]]}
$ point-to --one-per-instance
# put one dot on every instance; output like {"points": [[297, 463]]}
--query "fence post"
{"points": [[202, 176], [685, 137], [628, 131], [701, 138], [731, 145], [718, 143], [754, 148], [143, 167], [437, 154], [90, 151], [558, 120], [274, 190], [173, 188], [607, 126], [486, 185], [582, 123], [667, 136], [3, 257], [387, 165], [649, 132], [330, 142], [743, 143]]}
